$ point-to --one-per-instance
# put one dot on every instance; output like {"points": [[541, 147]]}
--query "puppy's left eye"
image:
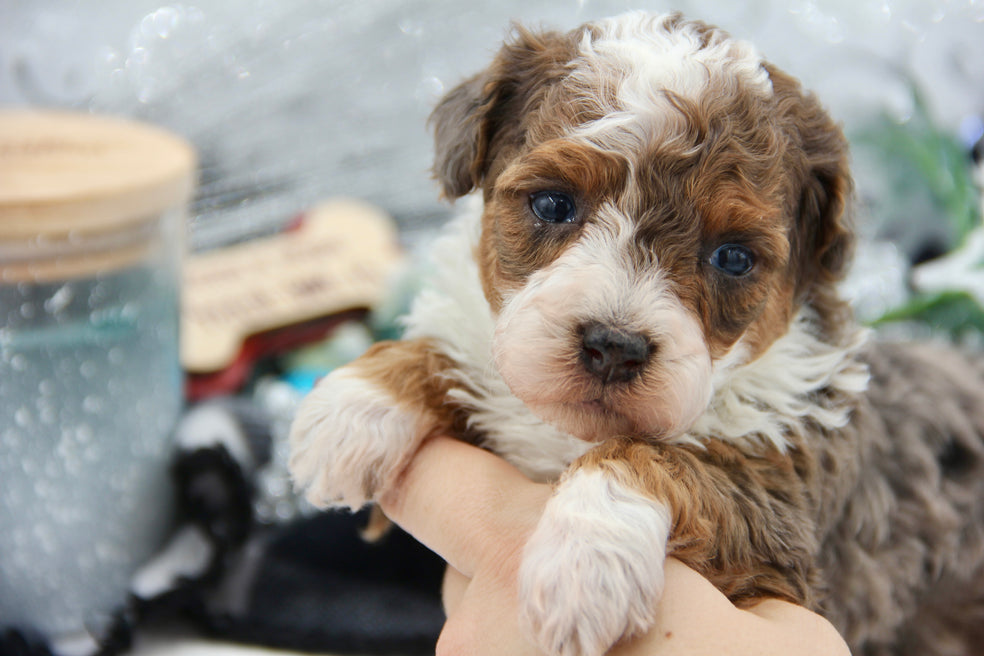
{"points": [[553, 206], [733, 259]]}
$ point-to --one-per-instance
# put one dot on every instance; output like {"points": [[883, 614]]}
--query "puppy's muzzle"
{"points": [[613, 355]]}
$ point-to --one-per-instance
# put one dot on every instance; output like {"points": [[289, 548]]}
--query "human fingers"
{"points": [[696, 619], [465, 504], [485, 622], [453, 589], [801, 631]]}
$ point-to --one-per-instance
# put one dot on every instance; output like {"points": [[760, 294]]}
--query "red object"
{"points": [[260, 346]]}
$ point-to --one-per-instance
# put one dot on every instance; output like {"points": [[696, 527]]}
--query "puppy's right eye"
{"points": [[553, 206]]}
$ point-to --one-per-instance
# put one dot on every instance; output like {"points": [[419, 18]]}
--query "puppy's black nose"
{"points": [[613, 355]]}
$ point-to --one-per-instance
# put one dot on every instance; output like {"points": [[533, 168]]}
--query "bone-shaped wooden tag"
{"points": [[339, 258]]}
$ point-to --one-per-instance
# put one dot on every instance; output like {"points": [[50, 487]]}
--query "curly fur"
{"points": [[765, 439]]}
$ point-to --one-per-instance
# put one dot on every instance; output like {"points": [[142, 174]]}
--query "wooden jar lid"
{"points": [[62, 172], [70, 182]]}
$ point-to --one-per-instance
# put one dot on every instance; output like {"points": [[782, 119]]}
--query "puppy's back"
{"points": [[906, 546]]}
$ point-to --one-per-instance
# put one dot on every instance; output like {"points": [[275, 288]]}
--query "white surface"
{"points": [[168, 644]]}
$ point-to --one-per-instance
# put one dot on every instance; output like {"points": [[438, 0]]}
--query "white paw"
{"points": [[592, 571], [349, 441]]}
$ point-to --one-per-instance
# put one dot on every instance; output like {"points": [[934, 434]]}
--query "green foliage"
{"points": [[922, 159], [920, 152], [954, 313]]}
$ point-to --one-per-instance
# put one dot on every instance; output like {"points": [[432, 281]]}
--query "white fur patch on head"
{"points": [[350, 439], [663, 53], [649, 56], [592, 571], [537, 343]]}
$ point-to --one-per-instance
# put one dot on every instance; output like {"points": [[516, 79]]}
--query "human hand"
{"points": [[477, 511]]}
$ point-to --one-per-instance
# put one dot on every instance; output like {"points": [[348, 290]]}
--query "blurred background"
{"points": [[290, 103]]}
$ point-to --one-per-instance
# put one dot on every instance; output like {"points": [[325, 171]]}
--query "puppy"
{"points": [[642, 308]]}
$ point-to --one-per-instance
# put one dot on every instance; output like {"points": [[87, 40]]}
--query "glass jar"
{"points": [[91, 223]]}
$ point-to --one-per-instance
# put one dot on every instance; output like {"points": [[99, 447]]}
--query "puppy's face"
{"points": [[656, 197]]}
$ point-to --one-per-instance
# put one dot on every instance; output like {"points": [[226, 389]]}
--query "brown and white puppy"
{"points": [[642, 307]]}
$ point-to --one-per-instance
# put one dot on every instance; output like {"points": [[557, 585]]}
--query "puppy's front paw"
{"points": [[592, 571], [350, 439]]}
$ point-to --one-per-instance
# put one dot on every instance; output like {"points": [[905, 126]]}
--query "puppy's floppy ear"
{"points": [[822, 232], [825, 209], [458, 125], [484, 113], [826, 226]]}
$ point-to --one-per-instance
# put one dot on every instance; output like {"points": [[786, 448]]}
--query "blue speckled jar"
{"points": [[91, 221]]}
